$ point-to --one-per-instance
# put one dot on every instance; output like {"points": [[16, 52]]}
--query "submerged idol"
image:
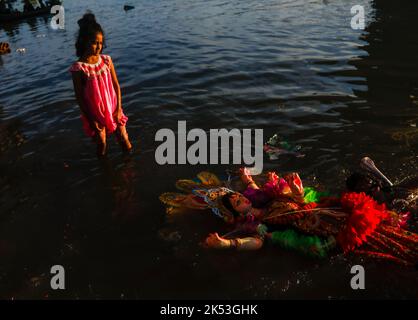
{"points": [[293, 217]]}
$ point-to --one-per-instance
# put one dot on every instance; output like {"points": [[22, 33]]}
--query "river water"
{"points": [[293, 68]]}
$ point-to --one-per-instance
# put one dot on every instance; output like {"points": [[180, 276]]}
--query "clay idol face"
{"points": [[240, 203]]}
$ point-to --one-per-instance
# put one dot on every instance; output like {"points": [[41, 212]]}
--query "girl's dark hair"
{"points": [[226, 201], [89, 28]]}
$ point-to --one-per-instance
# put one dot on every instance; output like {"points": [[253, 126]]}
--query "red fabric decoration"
{"points": [[365, 216], [311, 205]]}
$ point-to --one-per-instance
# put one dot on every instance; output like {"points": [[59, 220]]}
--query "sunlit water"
{"points": [[294, 68]]}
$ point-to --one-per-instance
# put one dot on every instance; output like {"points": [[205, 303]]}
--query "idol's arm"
{"points": [[247, 179], [214, 241]]}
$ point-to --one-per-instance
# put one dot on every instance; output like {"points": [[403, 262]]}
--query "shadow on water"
{"points": [[381, 118], [391, 70], [391, 73]]}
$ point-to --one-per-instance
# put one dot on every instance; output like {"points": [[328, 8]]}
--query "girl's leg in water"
{"points": [[123, 138], [101, 142]]}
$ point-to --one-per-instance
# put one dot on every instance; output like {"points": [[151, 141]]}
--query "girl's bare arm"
{"points": [[116, 85], [78, 89]]}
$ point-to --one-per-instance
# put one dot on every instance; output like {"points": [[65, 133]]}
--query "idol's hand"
{"points": [[295, 184], [216, 242], [272, 176], [245, 175]]}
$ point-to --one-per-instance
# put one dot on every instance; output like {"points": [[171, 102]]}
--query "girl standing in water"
{"points": [[97, 87]]}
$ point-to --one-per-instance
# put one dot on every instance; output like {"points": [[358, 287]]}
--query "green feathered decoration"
{"points": [[311, 195], [310, 245]]}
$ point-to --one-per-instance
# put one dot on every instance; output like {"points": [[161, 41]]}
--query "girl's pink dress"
{"points": [[99, 94]]}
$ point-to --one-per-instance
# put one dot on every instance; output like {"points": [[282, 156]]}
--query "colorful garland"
{"points": [[365, 215]]}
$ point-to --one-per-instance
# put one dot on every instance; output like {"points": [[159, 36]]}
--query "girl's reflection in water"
{"points": [[119, 179]]}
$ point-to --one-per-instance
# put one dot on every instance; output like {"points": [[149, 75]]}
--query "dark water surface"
{"points": [[290, 67]]}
